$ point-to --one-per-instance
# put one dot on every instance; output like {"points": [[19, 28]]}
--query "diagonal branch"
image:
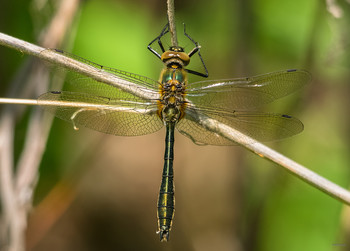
{"points": [[208, 123]]}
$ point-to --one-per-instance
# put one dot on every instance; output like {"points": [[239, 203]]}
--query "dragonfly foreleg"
{"points": [[164, 31], [195, 50]]}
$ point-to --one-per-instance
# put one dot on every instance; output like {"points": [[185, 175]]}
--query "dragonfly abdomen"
{"points": [[166, 199]]}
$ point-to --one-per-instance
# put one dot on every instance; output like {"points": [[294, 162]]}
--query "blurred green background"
{"points": [[226, 197]]}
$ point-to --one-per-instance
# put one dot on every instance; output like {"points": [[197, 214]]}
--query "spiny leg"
{"points": [[163, 32], [195, 50]]}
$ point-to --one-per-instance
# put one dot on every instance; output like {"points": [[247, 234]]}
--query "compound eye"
{"points": [[183, 56]]}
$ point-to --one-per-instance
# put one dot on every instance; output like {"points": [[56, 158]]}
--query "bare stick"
{"points": [[83, 105], [221, 129], [171, 20]]}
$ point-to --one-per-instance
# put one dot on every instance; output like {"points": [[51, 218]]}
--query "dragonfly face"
{"points": [[175, 55], [174, 103]]}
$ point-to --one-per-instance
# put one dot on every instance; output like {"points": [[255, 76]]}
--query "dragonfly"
{"points": [[172, 102]]}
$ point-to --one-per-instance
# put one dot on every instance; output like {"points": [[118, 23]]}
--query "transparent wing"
{"points": [[260, 126], [246, 93], [132, 77], [82, 84], [129, 117]]}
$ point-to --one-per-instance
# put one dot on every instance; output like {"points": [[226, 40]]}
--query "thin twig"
{"points": [[171, 21], [83, 105], [208, 123]]}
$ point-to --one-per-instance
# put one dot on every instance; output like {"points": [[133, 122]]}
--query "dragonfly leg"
{"points": [[149, 47], [195, 50]]}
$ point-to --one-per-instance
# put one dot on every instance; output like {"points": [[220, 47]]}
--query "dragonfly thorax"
{"points": [[171, 105]]}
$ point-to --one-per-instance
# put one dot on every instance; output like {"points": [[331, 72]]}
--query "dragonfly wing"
{"points": [[107, 115], [82, 84], [246, 93], [262, 127], [128, 76], [199, 135]]}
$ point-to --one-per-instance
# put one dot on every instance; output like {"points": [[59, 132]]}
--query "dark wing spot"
{"points": [[55, 92], [291, 70], [58, 50], [286, 116]]}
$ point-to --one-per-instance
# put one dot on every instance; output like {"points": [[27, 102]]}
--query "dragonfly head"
{"points": [[175, 55]]}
